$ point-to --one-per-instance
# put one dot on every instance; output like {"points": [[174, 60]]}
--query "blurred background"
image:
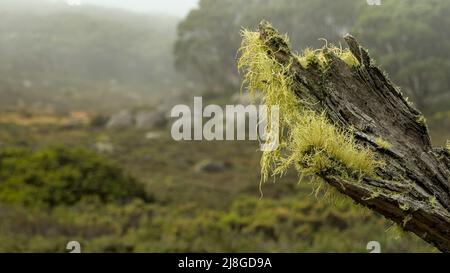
{"points": [[86, 89]]}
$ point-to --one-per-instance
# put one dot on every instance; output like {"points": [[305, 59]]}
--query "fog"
{"points": [[175, 7], [178, 8]]}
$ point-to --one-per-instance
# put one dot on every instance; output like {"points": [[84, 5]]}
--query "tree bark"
{"points": [[413, 188]]}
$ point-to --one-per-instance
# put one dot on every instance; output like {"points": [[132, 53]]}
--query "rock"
{"points": [[208, 165], [123, 119], [153, 135], [104, 147], [151, 119]]}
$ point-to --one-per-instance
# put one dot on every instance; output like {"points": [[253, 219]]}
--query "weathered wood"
{"points": [[413, 188]]}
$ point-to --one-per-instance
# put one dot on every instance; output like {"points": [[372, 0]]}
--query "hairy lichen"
{"points": [[421, 120], [373, 195], [317, 57], [406, 220], [447, 145], [404, 206], [410, 103], [383, 144], [433, 202], [308, 139]]}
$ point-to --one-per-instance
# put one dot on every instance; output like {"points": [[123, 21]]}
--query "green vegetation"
{"points": [[294, 224], [62, 176], [147, 194], [414, 52], [206, 47], [318, 56], [190, 211]]}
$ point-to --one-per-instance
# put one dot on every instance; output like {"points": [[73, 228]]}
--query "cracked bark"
{"points": [[413, 188]]}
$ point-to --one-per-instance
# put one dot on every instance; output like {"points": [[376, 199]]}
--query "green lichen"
{"points": [[433, 202], [312, 143], [383, 144], [410, 103], [404, 206], [406, 220], [421, 120], [317, 57], [373, 195]]}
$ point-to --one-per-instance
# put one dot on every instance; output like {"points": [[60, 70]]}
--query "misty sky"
{"points": [[173, 7]]}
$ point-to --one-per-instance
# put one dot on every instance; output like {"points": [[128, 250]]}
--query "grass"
{"points": [[291, 224], [194, 212]]}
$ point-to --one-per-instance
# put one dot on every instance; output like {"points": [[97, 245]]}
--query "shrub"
{"points": [[99, 121], [61, 175]]}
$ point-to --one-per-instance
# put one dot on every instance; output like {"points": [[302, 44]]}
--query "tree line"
{"points": [[409, 38]]}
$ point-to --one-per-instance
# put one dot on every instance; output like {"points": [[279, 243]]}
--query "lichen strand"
{"points": [[421, 120], [308, 140], [383, 144]]}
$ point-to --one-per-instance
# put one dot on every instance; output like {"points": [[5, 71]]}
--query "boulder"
{"points": [[209, 166], [153, 135], [123, 119], [104, 147], [151, 119]]}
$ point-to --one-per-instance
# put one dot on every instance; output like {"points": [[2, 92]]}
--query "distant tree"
{"points": [[411, 40], [208, 38]]}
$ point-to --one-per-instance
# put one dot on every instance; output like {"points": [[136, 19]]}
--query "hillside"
{"points": [[51, 50]]}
